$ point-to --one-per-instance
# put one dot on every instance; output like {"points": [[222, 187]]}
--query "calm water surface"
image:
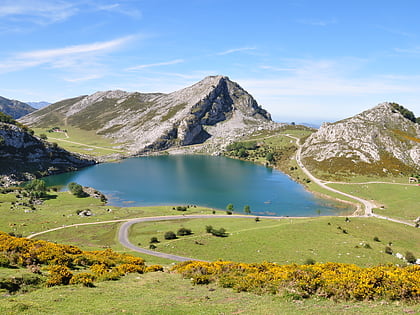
{"points": [[201, 180]]}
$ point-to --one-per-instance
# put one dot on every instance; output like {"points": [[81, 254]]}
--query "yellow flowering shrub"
{"points": [[58, 275], [84, 278], [104, 264], [331, 280]]}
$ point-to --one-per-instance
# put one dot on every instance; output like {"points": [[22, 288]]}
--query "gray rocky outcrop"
{"points": [[21, 153], [370, 137]]}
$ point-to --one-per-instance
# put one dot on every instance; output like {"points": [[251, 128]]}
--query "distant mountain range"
{"points": [[14, 108], [214, 108], [38, 105]]}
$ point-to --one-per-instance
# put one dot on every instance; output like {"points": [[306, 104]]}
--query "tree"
{"points": [[43, 136], [230, 207], [170, 235], [77, 190], [184, 231], [37, 188], [409, 256], [270, 157], [247, 209]]}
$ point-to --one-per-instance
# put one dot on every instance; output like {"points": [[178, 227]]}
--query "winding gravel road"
{"points": [[124, 229]]}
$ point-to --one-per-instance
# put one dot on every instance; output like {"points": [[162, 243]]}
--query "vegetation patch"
{"points": [[339, 282]]}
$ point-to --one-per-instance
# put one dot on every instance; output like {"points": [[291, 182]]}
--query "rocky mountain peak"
{"points": [[380, 139], [211, 108]]}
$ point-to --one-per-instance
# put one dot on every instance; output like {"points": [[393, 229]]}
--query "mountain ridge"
{"points": [[157, 121], [14, 108]]}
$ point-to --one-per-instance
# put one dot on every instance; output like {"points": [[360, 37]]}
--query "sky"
{"points": [[302, 60]]}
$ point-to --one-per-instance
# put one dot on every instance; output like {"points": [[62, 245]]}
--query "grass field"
{"points": [[285, 241], [399, 201], [86, 142], [165, 293], [61, 209]]}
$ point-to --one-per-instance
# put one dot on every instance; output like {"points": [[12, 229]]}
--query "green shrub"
{"points": [[184, 231], [154, 240], [170, 235], [409, 256]]}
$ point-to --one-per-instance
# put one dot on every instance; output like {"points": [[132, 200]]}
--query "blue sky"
{"points": [[303, 60]]}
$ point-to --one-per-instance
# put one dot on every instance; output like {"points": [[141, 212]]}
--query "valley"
{"points": [[216, 117]]}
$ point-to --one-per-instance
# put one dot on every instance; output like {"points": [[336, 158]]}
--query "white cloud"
{"points": [[66, 57], [235, 50], [159, 64]]}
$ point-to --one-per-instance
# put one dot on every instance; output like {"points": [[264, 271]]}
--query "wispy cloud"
{"points": [[66, 57], [118, 8], [37, 11], [158, 64], [396, 31], [317, 22], [235, 50]]}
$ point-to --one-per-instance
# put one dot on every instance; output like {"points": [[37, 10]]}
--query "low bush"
{"points": [[170, 235], [329, 280], [183, 232]]}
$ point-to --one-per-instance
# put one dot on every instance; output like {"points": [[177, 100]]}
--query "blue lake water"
{"points": [[200, 180]]}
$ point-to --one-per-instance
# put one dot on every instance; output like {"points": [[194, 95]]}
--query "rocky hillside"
{"points": [[377, 141], [14, 108], [22, 155], [213, 108]]}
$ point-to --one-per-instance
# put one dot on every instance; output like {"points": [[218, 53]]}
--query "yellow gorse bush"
{"points": [[62, 259], [330, 280]]}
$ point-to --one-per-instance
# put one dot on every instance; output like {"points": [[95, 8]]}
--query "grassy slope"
{"points": [[89, 138], [285, 241], [164, 293], [400, 201], [61, 209]]}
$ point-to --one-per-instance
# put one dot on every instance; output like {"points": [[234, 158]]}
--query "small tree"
{"points": [[409, 256], [270, 157], [37, 188], [154, 240], [77, 190], [184, 231], [247, 209], [230, 207], [43, 136], [170, 235]]}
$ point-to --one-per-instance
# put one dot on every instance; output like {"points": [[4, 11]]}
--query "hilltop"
{"points": [[379, 141], [15, 109], [213, 108]]}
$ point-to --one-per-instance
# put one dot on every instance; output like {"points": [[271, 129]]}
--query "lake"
{"points": [[208, 181]]}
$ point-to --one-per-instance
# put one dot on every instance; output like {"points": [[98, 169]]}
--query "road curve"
{"points": [[124, 228], [367, 204]]}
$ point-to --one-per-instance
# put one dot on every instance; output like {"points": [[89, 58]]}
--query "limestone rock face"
{"points": [[370, 137], [211, 108], [21, 152]]}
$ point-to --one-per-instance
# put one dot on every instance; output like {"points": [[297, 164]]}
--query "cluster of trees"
{"points": [[36, 188], [406, 113], [239, 149], [216, 232]]}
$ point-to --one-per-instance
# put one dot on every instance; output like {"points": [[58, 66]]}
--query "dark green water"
{"points": [[201, 180]]}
